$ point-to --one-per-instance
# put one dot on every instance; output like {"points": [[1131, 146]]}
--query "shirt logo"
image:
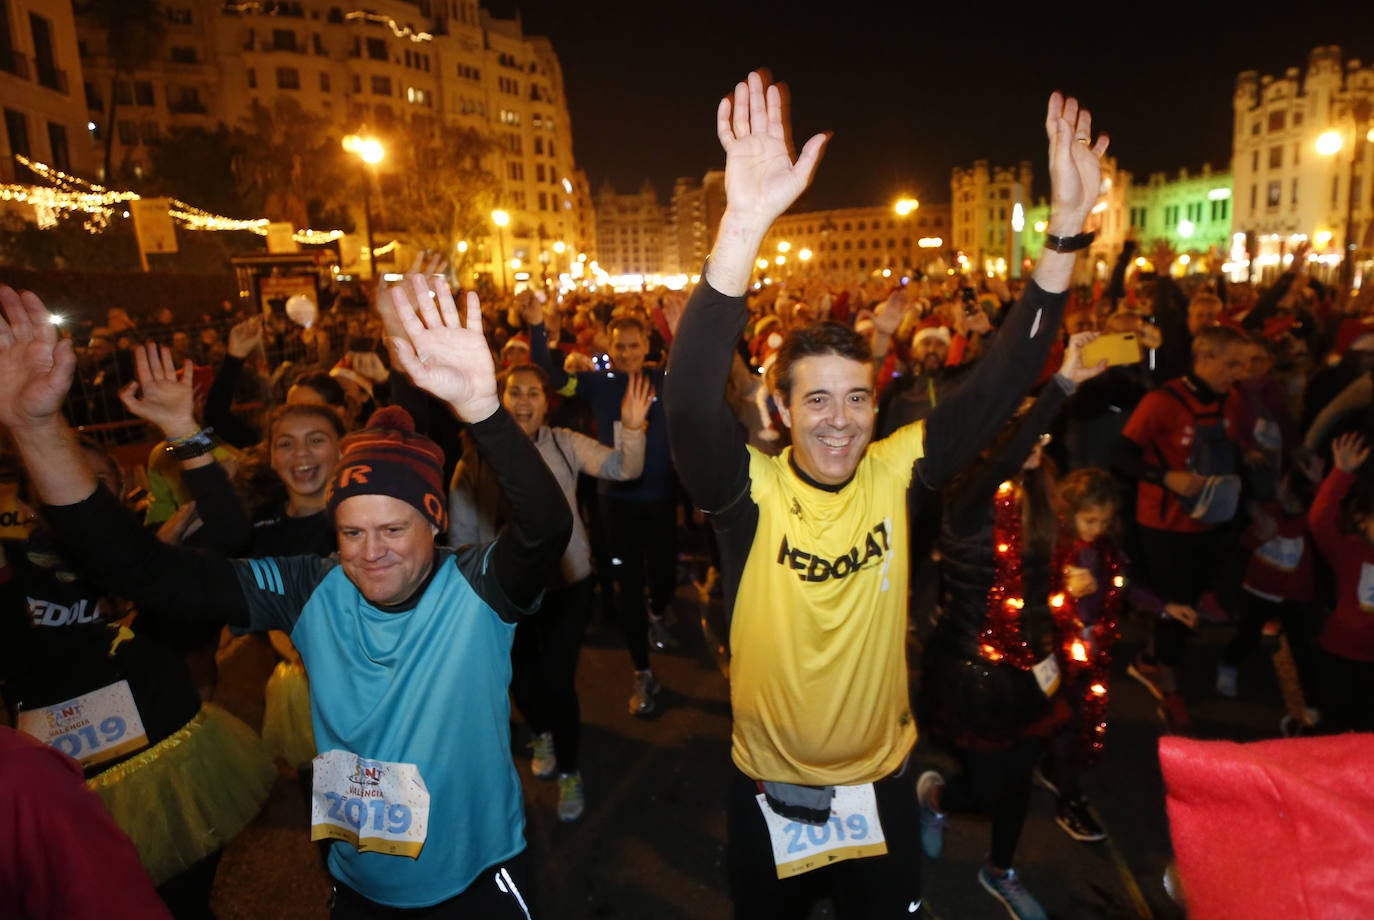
{"points": [[811, 567]]}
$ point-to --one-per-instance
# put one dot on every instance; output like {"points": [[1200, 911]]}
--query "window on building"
{"points": [[44, 61], [1335, 190], [861, 225], [1297, 154], [1275, 157], [539, 172], [252, 78], [1254, 127], [283, 40], [381, 86], [543, 201], [1297, 117], [288, 78], [149, 132], [324, 82], [1275, 194], [376, 49], [17, 130], [357, 83], [1293, 195], [184, 55], [538, 145], [1254, 161], [128, 133], [143, 92], [1277, 120], [861, 245]]}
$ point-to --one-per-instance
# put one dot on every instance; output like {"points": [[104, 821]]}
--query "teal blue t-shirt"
{"points": [[424, 686]]}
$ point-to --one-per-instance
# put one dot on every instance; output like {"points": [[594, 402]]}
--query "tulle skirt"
{"points": [[191, 793], [286, 729]]}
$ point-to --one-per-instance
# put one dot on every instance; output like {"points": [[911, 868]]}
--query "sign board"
{"points": [[275, 289], [280, 237], [153, 225]]}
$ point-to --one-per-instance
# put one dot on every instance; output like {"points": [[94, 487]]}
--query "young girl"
{"points": [[1091, 579], [991, 676], [1344, 657]]}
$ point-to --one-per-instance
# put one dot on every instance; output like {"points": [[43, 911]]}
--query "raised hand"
{"points": [[888, 314], [639, 397], [439, 352], [1348, 452], [1075, 163], [158, 395], [762, 177], [245, 337], [36, 365]]}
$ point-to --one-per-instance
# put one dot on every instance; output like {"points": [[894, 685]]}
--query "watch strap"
{"points": [[1069, 243]]}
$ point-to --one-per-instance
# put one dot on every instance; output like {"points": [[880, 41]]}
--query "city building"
{"points": [[632, 232], [394, 66], [40, 90], [854, 244], [696, 208], [988, 216], [1301, 161]]}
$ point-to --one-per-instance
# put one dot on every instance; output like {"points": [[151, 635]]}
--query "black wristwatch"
{"points": [[1069, 243], [196, 445]]}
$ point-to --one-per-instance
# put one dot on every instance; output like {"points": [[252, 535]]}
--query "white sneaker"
{"points": [[1227, 679], [571, 802], [544, 761]]}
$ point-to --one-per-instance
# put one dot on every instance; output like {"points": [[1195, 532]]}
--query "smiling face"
{"points": [[304, 453], [386, 547], [524, 398], [830, 413], [628, 349]]}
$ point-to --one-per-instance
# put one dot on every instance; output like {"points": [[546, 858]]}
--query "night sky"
{"points": [[911, 94]]}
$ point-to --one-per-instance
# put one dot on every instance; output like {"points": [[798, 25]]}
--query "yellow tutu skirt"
{"points": [[191, 793], [287, 732]]}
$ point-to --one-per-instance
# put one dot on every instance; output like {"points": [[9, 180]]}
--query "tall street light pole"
{"points": [[1329, 144], [904, 208], [370, 151], [501, 219]]}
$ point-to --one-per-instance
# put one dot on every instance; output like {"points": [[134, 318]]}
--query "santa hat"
{"points": [[930, 326], [1350, 332], [1272, 828]]}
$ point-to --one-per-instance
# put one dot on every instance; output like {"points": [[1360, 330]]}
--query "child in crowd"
{"points": [[1091, 569], [1344, 656]]}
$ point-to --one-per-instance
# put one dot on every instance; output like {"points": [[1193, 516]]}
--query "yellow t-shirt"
{"points": [[818, 676]]}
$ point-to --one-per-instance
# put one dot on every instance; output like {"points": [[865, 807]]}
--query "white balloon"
{"points": [[301, 310]]}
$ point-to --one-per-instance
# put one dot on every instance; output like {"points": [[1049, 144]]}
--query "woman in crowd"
{"points": [[544, 656]]}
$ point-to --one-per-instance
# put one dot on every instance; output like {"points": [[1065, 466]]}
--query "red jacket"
{"points": [[1349, 632]]}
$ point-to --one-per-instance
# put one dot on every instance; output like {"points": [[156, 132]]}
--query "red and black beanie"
{"points": [[389, 458]]}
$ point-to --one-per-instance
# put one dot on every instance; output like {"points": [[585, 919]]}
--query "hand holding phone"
{"points": [[1114, 348]]}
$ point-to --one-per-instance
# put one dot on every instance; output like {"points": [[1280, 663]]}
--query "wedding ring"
{"points": [[1081, 140]]}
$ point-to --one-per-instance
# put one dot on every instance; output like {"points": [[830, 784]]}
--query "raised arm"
{"points": [[762, 179], [963, 423], [449, 359]]}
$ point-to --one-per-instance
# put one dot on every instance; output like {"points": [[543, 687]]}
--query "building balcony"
{"points": [[14, 62], [186, 107]]}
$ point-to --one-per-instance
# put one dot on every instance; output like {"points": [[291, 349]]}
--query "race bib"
{"points": [[1282, 553], [853, 831], [92, 728], [377, 806], [1366, 588], [1047, 675]]}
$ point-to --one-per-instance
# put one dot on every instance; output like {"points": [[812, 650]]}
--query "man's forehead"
{"points": [[831, 372]]}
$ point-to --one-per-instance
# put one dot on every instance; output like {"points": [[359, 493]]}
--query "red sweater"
{"points": [[61, 855], [1349, 632], [1280, 568]]}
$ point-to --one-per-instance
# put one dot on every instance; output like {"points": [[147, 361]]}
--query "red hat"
{"points": [[1351, 331], [389, 458], [1272, 828]]}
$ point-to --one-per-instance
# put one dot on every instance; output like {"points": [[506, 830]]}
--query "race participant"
{"points": [[392, 632], [814, 542]]}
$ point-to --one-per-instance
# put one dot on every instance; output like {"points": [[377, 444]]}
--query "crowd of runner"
{"points": [[929, 504]]}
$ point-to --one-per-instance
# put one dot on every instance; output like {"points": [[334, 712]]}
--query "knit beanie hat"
{"points": [[389, 458]]}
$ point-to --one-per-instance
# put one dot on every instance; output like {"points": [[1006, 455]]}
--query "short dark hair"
{"points": [[627, 322], [1215, 339], [534, 370], [330, 390], [827, 338]]}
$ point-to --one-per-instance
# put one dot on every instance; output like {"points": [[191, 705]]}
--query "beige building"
{"points": [[988, 202], [853, 244], [440, 62], [41, 91], [696, 209], [632, 232], [1285, 187]]}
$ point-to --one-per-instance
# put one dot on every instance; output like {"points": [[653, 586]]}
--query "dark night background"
{"points": [[912, 91]]}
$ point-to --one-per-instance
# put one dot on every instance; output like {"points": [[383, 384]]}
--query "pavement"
{"points": [[651, 844]]}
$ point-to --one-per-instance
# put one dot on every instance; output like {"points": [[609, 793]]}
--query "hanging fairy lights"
{"points": [[74, 194], [397, 29]]}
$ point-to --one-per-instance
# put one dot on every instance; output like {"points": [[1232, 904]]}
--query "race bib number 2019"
{"points": [[375, 805], [92, 728], [853, 831]]}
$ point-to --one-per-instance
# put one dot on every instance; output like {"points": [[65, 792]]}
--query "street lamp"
{"points": [[904, 208], [1329, 144], [370, 151], [501, 219]]}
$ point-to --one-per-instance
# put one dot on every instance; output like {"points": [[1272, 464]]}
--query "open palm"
{"points": [[439, 352], [760, 177], [36, 366]]}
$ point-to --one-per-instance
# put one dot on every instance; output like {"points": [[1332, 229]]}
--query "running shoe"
{"points": [[544, 762], [1078, 821], [1007, 888], [1228, 678], [932, 820], [660, 636], [646, 688], [571, 803]]}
